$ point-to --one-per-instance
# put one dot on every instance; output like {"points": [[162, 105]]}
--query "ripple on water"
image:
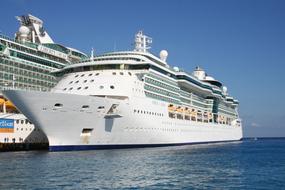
{"points": [[244, 165]]}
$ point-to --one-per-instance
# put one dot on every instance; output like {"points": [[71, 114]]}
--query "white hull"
{"points": [[64, 125]]}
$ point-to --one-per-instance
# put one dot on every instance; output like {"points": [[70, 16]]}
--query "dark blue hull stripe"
{"points": [[124, 146]]}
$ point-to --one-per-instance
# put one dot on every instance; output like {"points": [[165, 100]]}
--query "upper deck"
{"points": [[132, 60]]}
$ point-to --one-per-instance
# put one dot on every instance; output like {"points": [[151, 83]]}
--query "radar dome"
{"points": [[225, 89], [163, 55], [176, 69], [24, 30]]}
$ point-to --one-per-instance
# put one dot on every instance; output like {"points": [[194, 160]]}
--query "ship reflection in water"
{"points": [[243, 165]]}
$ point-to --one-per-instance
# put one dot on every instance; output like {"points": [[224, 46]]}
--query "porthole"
{"points": [[76, 76], [101, 87], [97, 74], [130, 73], [78, 88], [86, 87], [82, 75], [58, 105], [70, 82], [121, 73], [114, 73], [90, 74], [92, 80], [112, 87], [100, 108], [64, 89], [70, 88], [77, 81], [84, 81], [85, 107]]}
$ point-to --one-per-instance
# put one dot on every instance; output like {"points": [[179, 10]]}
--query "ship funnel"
{"points": [[199, 73]]}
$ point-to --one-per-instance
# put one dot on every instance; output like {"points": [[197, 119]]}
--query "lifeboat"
{"points": [[171, 108], [199, 113], [187, 111], [193, 112], [1, 101], [224, 119], [10, 105], [179, 109]]}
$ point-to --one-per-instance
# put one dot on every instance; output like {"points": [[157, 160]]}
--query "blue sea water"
{"points": [[251, 164]]}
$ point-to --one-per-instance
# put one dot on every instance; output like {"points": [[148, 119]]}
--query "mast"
{"points": [[142, 42], [32, 30]]}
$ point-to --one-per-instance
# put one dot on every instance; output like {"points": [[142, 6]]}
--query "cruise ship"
{"points": [[130, 99], [26, 62]]}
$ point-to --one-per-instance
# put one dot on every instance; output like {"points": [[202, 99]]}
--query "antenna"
{"points": [[115, 46], [142, 42], [92, 53]]}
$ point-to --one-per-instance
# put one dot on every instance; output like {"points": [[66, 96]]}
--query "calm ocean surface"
{"points": [[244, 165]]}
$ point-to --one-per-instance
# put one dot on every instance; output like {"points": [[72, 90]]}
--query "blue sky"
{"points": [[239, 42]]}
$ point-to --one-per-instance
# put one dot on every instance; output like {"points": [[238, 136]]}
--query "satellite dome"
{"points": [[163, 55], [225, 89], [176, 69], [24, 30]]}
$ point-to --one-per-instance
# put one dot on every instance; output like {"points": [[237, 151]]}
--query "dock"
{"points": [[8, 147]]}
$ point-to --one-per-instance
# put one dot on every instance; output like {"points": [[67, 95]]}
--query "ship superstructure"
{"points": [[26, 62], [132, 98]]}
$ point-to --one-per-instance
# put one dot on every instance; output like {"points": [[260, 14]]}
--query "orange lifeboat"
{"points": [[10, 105], [179, 109], [187, 111], [1, 101], [193, 112], [171, 108]]}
